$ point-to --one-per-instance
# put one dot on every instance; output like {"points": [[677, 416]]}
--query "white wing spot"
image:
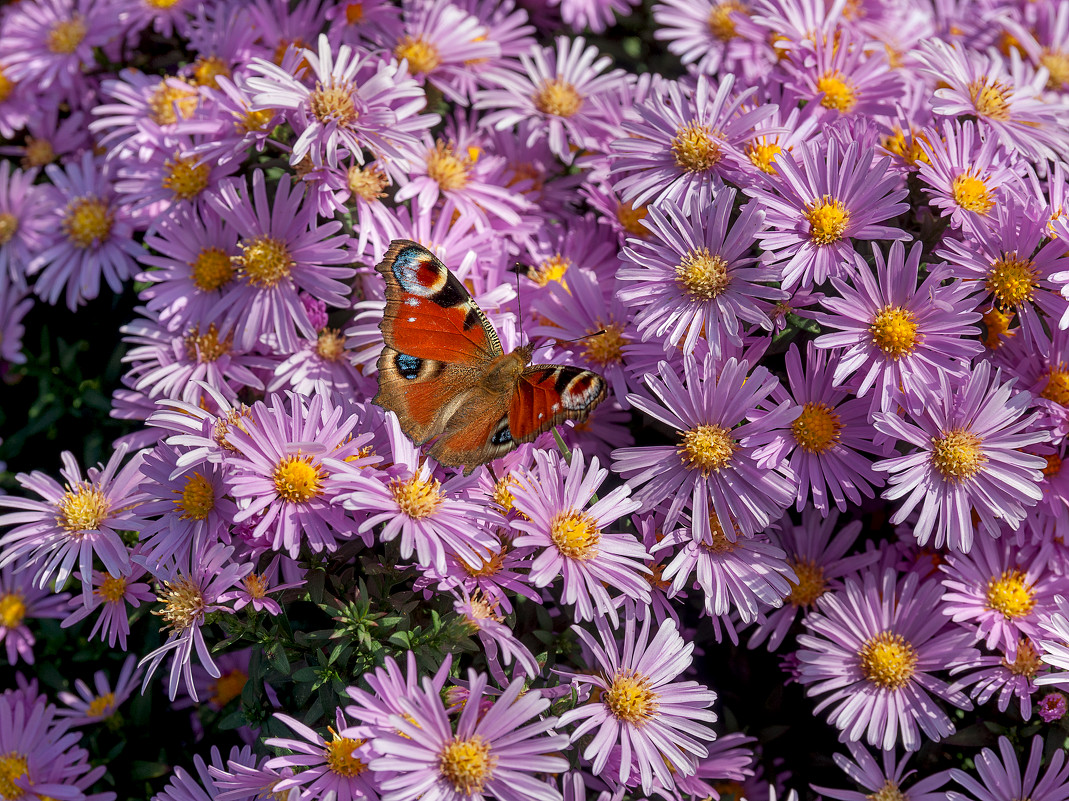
{"points": [[556, 407], [411, 319], [412, 301], [540, 415]]}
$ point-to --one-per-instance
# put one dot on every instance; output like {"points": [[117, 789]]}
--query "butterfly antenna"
{"points": [[580, 339], [519, 307]]}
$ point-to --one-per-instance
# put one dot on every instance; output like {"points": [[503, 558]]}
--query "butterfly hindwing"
{"points": [[548, 394]]}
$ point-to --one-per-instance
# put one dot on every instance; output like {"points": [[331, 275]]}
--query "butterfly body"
{"points": [[444, 374]]}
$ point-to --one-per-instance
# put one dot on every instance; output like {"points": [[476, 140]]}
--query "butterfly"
{"points": [[443, 373]]}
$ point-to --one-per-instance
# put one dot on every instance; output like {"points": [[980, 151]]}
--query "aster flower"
{"points": [[23, 221], [92, 236], [339, 766], [1001, 778], [713, 36], [1055, 643], [641, 707], [90, 706], [282, 251], [15, 304], [872, 651], [501, 646], [21, 600], [1004, 674], [188, 593], [556, 88], [686, 141], [967, 459], [1017, 264], [694, 275], [246, 778], [111, 595], [389, 685], [717, 456], [499, 750], [359, 101], [73, 523], [1052, 707], [148, 109], [896, 334], [889, 777], [815, 210], [256, 586], [553, 502], [185, 786]]}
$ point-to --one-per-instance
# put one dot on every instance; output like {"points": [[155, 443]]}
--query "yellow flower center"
{"points": [[1057, 388], [186, 177], [87, 222], [1027, 663], [255, 585], [552, 269], [212, 269], [990, 100], [828, 219], [102, 705], [169, 102], [1010, 595], [817, 428], [490, 565], [183, 603], [971, 193], [575, 534], [839, 94], [1054, 465], [631, 219], [422, 56], [206, 69], [607, 348], [888, 792], [340, 756], [333, 103], [13, 766], [906, 148], [811, 583], [558, 97], [7, 86], [695, 147], [720, 543], [207, 347], [354, 13], [721, 24], [703, 275], [894, 331], [12, 610], [227, 687], [297, 480], [253, 120], [446, 168], [81, 509], [330, 346], [196, 499], [957, 455], [162, 5], [9, 226], [39, 152], [762, 153], [111, 589], [367, 182], [1057, 64], [264, 261], [707, 447], [502, 494], [631, 698], [1012, 280], [467, 764], [66, 35], [997, 323], [417, 498], [888, 660]]}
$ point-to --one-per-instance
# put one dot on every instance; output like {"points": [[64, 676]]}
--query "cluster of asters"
{"points": [[827, 256]]}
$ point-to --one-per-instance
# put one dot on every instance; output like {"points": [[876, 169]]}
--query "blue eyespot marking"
{"points": [[502, 437], [407, 366]]}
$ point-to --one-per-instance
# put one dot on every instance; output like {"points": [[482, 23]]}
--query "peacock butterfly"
{"points": [[443, 373]]}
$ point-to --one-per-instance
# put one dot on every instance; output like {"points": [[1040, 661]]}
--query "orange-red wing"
{"points": [[548, 394]]}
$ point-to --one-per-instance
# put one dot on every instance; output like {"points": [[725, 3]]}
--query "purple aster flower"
{"points": [[717, 457], [91, 238], [694, 276], [713, 36], [339, 767], [597, 15], [967, 459], [188, 593], [500, 645], [966, 175], [293, 464], [1005, 100], [1001, 778], [111, 595], [90, 706], [246, 778], [73, 523], [829, 439], [148, 109], [552, 502], [24, 211], [184, 786], [1055, 643], [1001, 588], [283, 251], [686, 141], [15, 303], [873, 650], [638, 705], [896, 334], [885, 779], [389, 685], [500, 750], [21, 600], [816, 554], [815, 210], [556, 87], [359, 101], [1004, 674], [1052, 707], [256, 586], [431, 519], [1011, 255]]}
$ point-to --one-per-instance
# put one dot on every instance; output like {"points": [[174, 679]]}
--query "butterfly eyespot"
{"points": [[418, 272], [503, 436], [408, 366]]}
